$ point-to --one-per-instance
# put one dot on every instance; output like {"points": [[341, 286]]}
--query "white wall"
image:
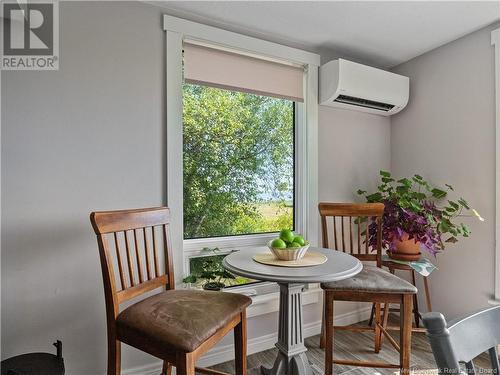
{"points": [[91, 136], [447, 134]]}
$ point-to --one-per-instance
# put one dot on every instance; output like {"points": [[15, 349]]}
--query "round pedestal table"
{"points": [[292, 359]]}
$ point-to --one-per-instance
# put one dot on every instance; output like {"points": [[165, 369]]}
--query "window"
{"points": [[239, 162], [204, 57]]}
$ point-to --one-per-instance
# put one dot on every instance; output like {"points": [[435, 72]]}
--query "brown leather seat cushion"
{"points": [[178, 319], [373, 280]]}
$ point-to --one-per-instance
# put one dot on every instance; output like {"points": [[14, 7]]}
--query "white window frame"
{"points": [[495, 41], [306, 142]]}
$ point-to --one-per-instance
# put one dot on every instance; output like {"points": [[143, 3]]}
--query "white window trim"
{"points": [[495, 41], [306, 166]]}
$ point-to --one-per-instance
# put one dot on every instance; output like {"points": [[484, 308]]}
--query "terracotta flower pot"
{"points": [[406, 249]]}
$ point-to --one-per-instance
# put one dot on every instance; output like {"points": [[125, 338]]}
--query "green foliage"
{"points": [[416, 207], [271, 217], [237, 146], [211, 269], [208, 269]]}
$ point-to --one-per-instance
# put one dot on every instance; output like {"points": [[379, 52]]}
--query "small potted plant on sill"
{"points": [[212, 273], [417, 216]]}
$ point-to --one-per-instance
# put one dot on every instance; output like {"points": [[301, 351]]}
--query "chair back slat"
{"points": [[148, 234], [359, 236], [146, 252], [464, 339], [129, 260], [168, 256], [324, 232], [362, 215], [138, 257], [342, 229], [119, 261], [367, 234], [350, 234], [334, 232], [155, 252], [123, 230]]}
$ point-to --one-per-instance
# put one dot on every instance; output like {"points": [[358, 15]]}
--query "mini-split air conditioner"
{"points": [[349, 85]]}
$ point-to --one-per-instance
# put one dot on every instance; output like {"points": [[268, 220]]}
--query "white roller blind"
{"points": [[227, 70]]}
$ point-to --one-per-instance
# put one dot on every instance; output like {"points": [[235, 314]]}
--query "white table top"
{"points": [[339, 266]]}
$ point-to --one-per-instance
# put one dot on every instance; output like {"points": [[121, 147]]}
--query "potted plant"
{"points": [[417, 216], [212, 273]]}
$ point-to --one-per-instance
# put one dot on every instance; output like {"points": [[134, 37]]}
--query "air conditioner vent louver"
{"points": [[356, 87], [364, 103]]}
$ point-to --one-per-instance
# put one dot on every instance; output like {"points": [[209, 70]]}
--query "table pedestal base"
{"points": [[292, 359], [295, 365]]}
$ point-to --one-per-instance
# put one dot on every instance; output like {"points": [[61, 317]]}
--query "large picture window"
{"points": [[271, 91], [239, 162]]}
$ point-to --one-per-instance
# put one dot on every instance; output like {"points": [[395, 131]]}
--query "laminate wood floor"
{"points": [[359, 346]]}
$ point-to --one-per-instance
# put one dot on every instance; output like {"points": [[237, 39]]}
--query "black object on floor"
{"points": [[35, 363]]}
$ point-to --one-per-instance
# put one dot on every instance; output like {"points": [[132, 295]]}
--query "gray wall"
{"points": [[91, 136], [353, 148], [447, 134]]}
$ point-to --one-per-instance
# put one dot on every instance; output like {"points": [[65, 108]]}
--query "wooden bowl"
{"points": [[290, 253]]}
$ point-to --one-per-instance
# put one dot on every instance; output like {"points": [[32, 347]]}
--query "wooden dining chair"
{"points": [[463, 340], [352, 227], [177, 326]]}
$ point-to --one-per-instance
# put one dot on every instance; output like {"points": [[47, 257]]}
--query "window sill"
{"points": [[225, 244]]}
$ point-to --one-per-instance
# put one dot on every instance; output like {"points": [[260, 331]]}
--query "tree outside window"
{"points": [[238, 162]]}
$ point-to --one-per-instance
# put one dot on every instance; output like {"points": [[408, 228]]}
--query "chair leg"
{"points": [[427, 294], [385, 318], [370, 322], [328, 315], [322, 336], [240, 346], [377, 332], [114, 356], [167, 368], [415, 301], [387, 310], [405, 333], [184, 364]]}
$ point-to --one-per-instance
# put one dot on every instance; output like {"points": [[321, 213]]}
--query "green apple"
{"points": [[287, 235], [293, 245], [278, 243], [300, 240]]}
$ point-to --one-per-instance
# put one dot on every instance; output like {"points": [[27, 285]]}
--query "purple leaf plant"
{"points": [[416, 210]]}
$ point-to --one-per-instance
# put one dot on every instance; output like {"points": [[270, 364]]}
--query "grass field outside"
{"points": [[272, 210], [272, 217]]}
